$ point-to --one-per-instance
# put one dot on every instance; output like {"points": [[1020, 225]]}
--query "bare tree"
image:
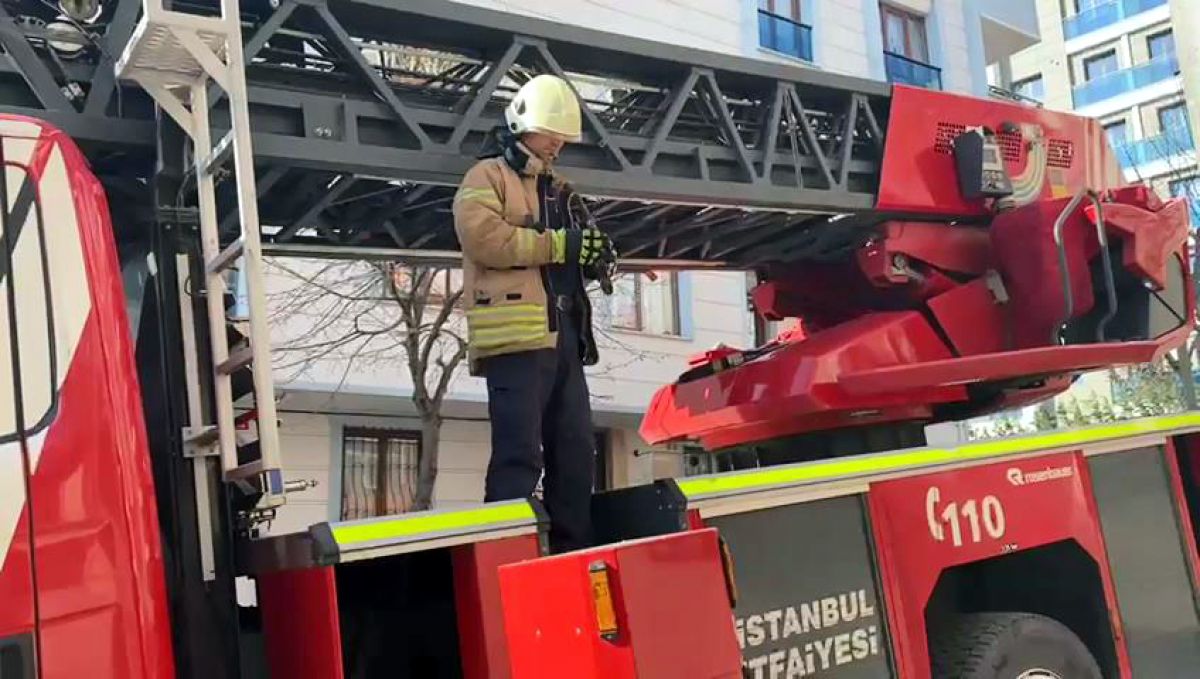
{"points": [[357, 315]]}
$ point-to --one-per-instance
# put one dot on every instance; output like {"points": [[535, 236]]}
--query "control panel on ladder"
{"points": [[177, 57]]}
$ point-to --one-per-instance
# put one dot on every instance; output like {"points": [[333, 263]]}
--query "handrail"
{"points": [[770, 38], [912, 64], [783, 18], [1064, 268]]}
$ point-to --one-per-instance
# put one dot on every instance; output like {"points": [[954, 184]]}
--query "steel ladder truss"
{"points": [[177, 57], [366, 112]]}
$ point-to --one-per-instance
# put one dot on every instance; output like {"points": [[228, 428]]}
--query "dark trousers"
{"points": [[541, 418]]}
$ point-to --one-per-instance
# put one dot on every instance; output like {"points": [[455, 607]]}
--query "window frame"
{"points": [[640, 312], [37, 370], [1123, 124], [911, 20], [1039, 79], [382, 437], [1150, 40], [1096, 58], [1177, 106], [773, 8], [453, 281]]}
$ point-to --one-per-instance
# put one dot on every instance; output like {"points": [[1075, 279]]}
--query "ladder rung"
{"points": [[245, 471], [219, 155], [200, 436], [240, 358], [226, 258]]}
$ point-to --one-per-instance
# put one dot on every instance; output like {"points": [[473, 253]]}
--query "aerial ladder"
{"points": [[183, 60], [948, 256]]}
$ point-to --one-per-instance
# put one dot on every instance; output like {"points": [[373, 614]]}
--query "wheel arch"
{"points": [[1059, 580]]}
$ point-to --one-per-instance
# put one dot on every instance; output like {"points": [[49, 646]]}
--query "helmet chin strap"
{"points": [[519, 157]]}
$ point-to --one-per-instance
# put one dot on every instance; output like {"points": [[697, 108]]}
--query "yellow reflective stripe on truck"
{"points": [[437, 522], [880, 463]]}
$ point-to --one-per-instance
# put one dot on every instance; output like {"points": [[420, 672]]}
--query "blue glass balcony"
{"points": [[1190, 189], [1125, 80], [785, 36], [1161, 147], [1107, 14], [901, 69]]}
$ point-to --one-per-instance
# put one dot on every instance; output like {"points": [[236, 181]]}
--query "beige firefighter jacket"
{"points": [[495, 214]]}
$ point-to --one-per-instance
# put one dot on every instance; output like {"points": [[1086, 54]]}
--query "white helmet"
{"points": [[548, 105]]}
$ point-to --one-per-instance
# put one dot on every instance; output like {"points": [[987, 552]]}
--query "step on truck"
{"points": [[947, 257]]}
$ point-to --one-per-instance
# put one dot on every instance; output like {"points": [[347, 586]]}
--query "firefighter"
{"points": [[525, 261]]}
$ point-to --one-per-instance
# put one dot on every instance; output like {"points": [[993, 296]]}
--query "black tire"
{"points": [[1009, 645]]}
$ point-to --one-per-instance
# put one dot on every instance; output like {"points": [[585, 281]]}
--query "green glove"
{"points": [[586, 246], [594, 244]]}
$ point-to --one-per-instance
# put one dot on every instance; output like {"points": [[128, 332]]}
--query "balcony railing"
{"points": [[1095, 18], [1162, 147], [901, 69], [1125, 80], [1011, 95], [785, 36]]}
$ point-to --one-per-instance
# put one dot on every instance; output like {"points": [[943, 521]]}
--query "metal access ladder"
{"points": [[176, 56]]}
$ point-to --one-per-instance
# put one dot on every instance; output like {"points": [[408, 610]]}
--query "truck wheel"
{"points": [[1010, 646]]}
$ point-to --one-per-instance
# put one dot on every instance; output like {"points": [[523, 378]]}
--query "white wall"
{"points": [[714, 25], [305, 441], [846, 33]]}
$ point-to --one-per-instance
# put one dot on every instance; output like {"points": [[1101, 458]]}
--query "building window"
{"points": [[1190, 189], [1031, 88], [440, 282], [646, 303], [1085, 5], [1100, 65], [379, 472], [780, 28], [904, 34], [787, 9], [1117, 133], [1161, 45], [1173, 118]]}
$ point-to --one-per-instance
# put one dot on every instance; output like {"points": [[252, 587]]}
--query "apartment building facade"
{"points": [[352, 426], [1132, 64]]}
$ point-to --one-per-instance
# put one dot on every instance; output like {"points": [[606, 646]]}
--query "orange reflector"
{"points": [[606, 611]]}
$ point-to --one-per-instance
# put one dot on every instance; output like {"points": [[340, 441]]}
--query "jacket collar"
{"points": [[534, 166]]}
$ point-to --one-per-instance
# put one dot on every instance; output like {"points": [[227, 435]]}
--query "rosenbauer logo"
{"points": [[1024, 478]]}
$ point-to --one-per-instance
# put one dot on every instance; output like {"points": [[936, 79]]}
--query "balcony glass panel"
{"points": [[783, 35], [1105, 14], [901, 69], [1162, 147], [1125, 80]]}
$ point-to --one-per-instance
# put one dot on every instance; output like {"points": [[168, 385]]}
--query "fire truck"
{"points": [[947, 256]]}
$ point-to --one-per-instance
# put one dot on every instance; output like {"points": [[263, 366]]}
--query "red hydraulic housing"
{"points": [[966, 306], [657, 608]]}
